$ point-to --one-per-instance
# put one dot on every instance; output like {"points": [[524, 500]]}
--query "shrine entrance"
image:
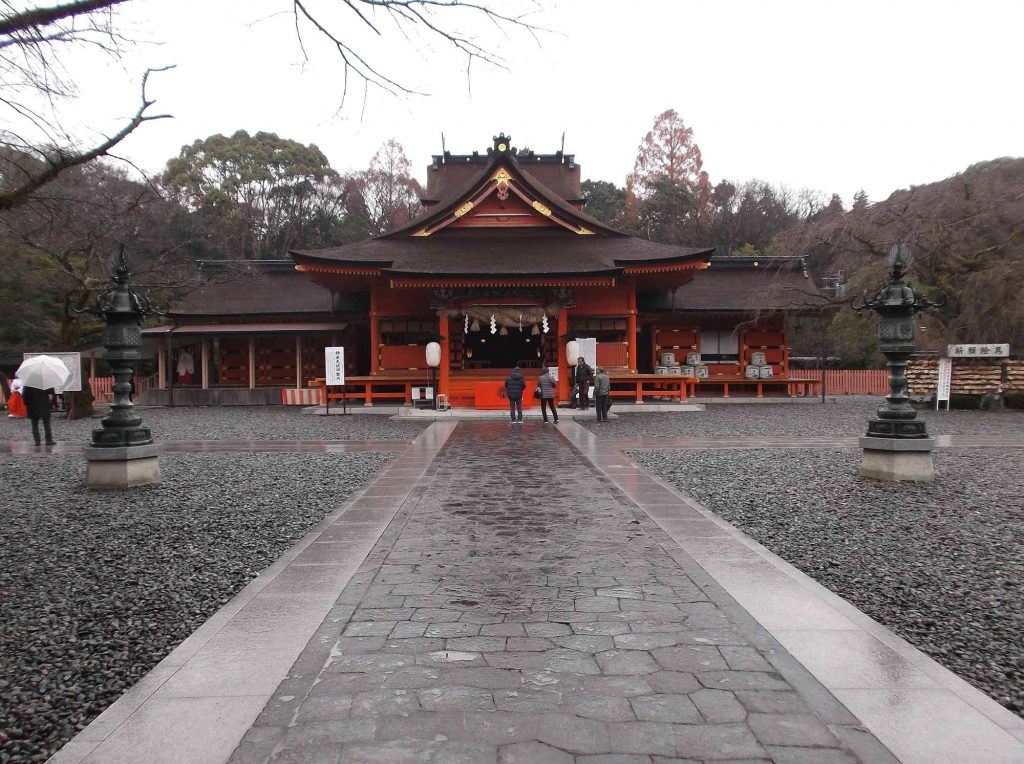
{"points": [[503, 350]]}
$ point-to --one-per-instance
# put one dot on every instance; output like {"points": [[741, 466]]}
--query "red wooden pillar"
{"points": [[374, 333], [442, 382], [631, 331], [563, 371]]}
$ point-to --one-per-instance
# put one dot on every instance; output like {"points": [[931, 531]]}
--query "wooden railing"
{"points": [[394, 390], [657, 386], [850, 381], [103, 392]]}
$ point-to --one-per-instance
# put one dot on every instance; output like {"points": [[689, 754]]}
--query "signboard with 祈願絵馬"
{"points": [[989, 350], [335, 366]]}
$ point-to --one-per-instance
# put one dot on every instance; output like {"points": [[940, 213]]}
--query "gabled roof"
{"points": [[503, 176], [500, 221]]}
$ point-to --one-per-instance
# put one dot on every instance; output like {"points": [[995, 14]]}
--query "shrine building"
{"points": [[503, 268]]}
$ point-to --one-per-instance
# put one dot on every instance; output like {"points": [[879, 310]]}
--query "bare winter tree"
{"points": [[35, 42]]}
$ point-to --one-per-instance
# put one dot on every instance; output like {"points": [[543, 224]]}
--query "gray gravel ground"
{"points": [[235, 423], [96, 587], [846, 417], [941, 564]]}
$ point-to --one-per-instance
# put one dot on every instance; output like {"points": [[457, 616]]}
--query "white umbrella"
{"points": [[44, 372]]}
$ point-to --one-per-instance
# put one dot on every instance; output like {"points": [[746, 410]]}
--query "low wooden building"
{"points": [[503, 268]]}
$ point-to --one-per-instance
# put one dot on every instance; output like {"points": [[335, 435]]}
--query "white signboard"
{"points": [[944, 382], [588, 349], [334, 359], [553, 371], [996, 350], [74, 362]]}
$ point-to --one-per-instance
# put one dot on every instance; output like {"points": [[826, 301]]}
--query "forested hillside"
{"points": [[965, 233], [966, 236]]}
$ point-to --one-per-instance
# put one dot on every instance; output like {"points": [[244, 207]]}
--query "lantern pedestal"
{"points": [[895, 459], [122, 466]]}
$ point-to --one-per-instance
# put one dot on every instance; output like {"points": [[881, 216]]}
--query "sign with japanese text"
{"points": [[944, 382], [995, 350], [335, 365], [588, 349]]}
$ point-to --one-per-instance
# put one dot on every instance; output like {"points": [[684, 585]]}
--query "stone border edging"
{"points": [[198, 702], [919, 709]]}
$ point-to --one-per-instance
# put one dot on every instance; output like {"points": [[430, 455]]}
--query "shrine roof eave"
{"points": [[511, 257]]}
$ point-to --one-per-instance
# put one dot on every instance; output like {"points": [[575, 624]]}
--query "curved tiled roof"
{"points": [[464, 255]]}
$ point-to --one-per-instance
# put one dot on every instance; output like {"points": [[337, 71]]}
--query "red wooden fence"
{"points": [[102, 387], [849, 381]]}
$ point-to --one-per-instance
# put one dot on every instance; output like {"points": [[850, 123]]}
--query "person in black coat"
{"points": [[582, 376], [515, 385], [39, 404]]}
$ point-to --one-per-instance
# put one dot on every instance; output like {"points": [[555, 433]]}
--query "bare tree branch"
{"points": [[59, 160], [34, 18]]}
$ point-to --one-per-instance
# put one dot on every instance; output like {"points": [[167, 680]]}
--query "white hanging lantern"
{"points": [[572, 352], [433, 355], [494, 324], [475, 327], [535, 330], [503, 332]]}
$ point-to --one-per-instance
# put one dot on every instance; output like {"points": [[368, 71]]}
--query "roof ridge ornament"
{"points": [[502, 145]]}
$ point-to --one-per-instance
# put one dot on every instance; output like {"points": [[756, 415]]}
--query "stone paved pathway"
{"points": [[523, 610]]}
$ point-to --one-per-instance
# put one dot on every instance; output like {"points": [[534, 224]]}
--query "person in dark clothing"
{"points": [[39, 404], [515, 384], [546, 383], [582, 375]]}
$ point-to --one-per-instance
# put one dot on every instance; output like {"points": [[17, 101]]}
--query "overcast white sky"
{"points": [[828, 95]]}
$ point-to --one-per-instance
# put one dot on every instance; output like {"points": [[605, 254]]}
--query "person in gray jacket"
{"points": [[546, 383], [602, 394]]}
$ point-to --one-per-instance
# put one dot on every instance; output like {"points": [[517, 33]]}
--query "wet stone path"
{"points": [[521, 609]]}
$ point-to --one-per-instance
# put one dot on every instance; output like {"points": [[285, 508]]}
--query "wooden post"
{"points": [[92, 368], [252, 363], [204, 360], [631, 331], [298, 361], [374, 333], [161, 366], [444, 330], [654, 346], [563, 363]]}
